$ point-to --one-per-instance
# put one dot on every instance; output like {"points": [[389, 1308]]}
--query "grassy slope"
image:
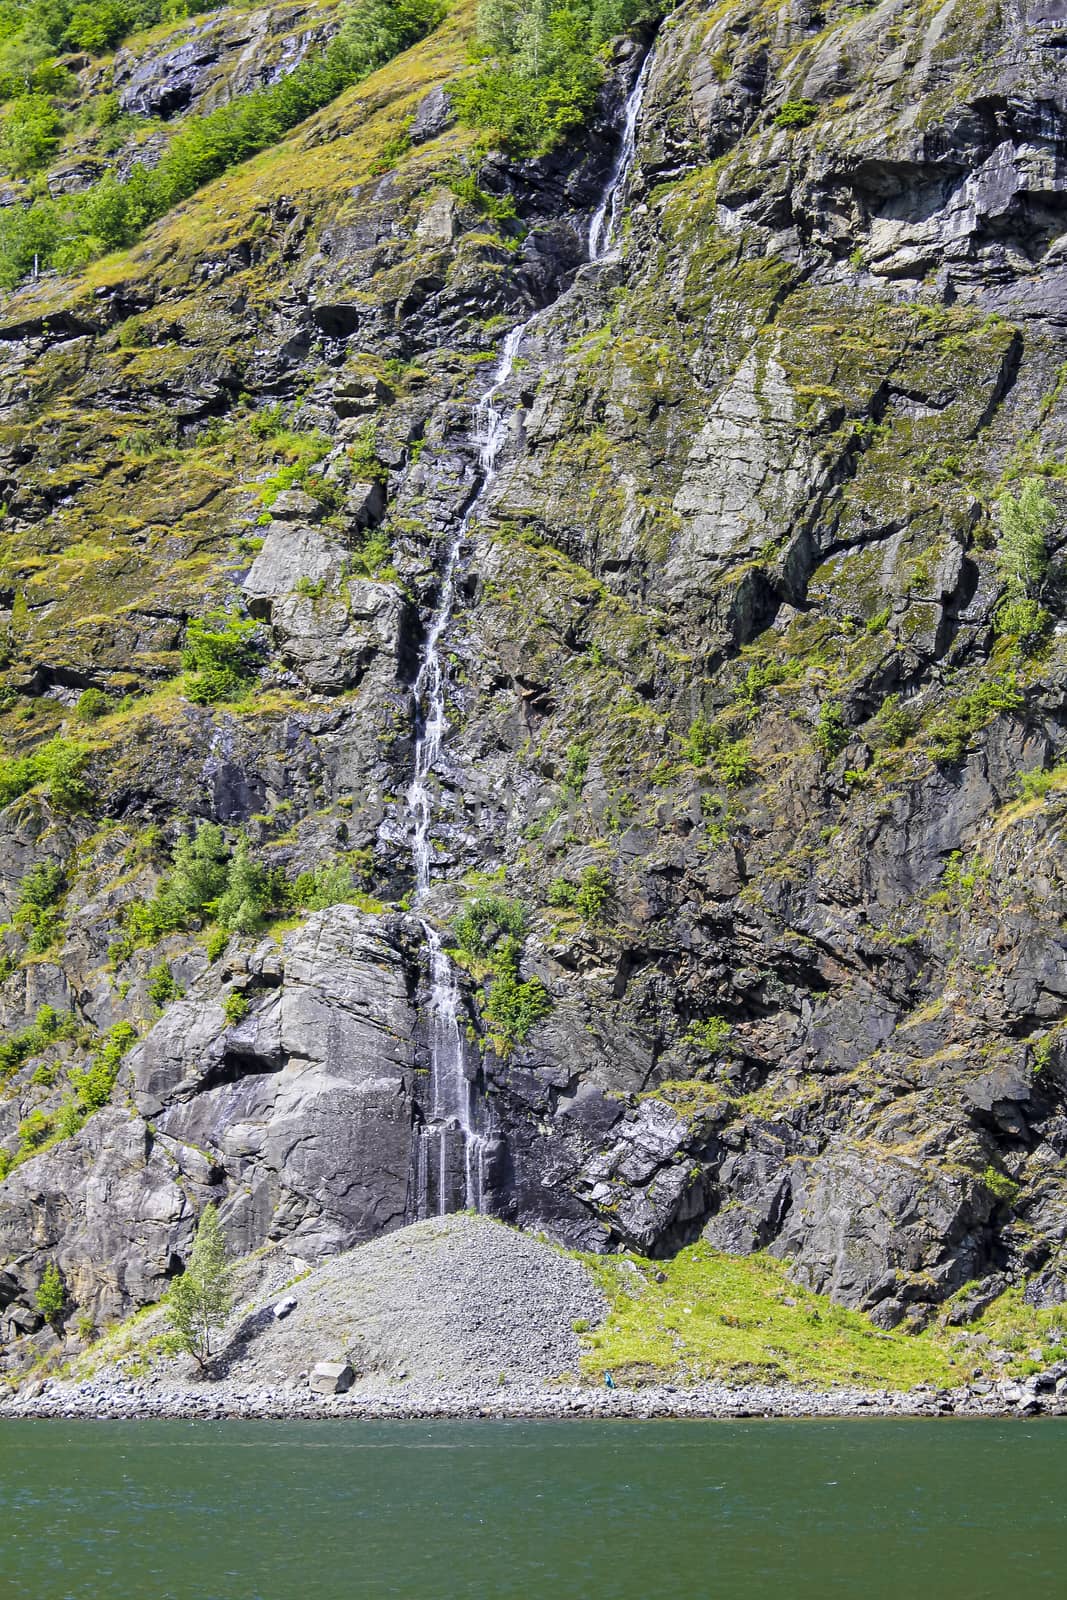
{"points": [[741, 1317]]}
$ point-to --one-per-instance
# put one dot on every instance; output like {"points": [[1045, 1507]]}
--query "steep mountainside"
{"points": [[746, 895]]}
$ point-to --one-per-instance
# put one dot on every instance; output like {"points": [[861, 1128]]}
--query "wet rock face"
{"points": [[726, 636]]}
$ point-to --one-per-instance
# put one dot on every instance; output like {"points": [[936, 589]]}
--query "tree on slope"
{"points": [[200, 1299]]}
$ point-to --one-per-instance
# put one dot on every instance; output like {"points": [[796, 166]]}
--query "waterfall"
{"points": [[449, 1154]]}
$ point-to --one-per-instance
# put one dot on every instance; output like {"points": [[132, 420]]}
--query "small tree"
{"points": [[200, 1299], [51, 1295], [1022, 548]]}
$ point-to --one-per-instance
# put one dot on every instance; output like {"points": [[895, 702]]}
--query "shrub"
{"points": [[241, 908], [96, 25], [1000, 1186], [952, 732], [222, 653], [514, 1008], [93, 1084], [544, 67], [574, 773], [162, 986], [796, 114], [1023, 620], [699, 742], [199, 1300], [714, 1035], [831, 733], [329, 885], [93, 703], [735, 763], [235, 1008], [38, 894], [1022, 548], [47, 1026], [591, 896], [215, 943], [59, 765], [30, 134], [894, 724], [51, 1295], [1035, 785], [486, 920]]}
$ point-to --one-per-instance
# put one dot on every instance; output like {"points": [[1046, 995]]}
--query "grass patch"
{"points": [[741, 1317]]}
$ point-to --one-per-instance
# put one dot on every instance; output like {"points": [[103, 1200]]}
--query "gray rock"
{"points": [[331, 1377]]}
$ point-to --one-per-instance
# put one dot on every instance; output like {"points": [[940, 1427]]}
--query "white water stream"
{"points": [[449, 1157]]}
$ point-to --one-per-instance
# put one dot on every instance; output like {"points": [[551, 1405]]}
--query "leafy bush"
{"points": [[93, 1084], [162, 986], [952, 732], [514, 1009], [735, 763], [831, 731], [331, 884], [47, 1026], [486, 920], [35, 908], [235, 1008], [1000, 1186], [68, 231], [93, 703], [591, 896], [247, 896], [714, 1035], [51, 1295], [1022, 547], [575, 771], [894, 724], [222, 653], [1035, 785], [699, 742], [1024, 620], [59, 765], [796, 114], [543, 67], [30, 134]]}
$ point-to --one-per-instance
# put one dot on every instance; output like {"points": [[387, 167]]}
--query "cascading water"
{"points": [[449, 1155]]}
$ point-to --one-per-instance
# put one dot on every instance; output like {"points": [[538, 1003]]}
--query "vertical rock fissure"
{"points": [[448, 1158]]}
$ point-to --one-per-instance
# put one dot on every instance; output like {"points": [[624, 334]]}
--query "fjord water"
{"points": [[953, 1510]]}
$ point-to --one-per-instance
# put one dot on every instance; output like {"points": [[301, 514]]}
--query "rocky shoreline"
{"points": [[136, 1400]]}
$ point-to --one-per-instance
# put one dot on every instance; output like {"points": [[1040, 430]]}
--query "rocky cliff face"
{"points": [[725, 657]]}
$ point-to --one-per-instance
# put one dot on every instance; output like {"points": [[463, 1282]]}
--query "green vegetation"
{"points": [[1011, 1324], [67, 231], [199, 1300], [735, 763], [235, 1008], [489, 933], [51, 1296], [714, 1035], [1042, 781], [221, 653], [47, 1026], [831, 731], [29, 134], [36, 908], [34, 32], [59, 765], [542, 67], [1022, 559], [210, 881], [796, 114], [574, 773], [91, 1089], [487, 920], [952, 731], [92, 704], [162, 986], [592, 896], [741, 1316]]}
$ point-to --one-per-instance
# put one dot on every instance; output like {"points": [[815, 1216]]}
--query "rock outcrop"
{"points": [[729, 644]]}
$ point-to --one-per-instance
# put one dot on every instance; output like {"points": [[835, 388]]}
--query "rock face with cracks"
{"points": [[729, 642]]}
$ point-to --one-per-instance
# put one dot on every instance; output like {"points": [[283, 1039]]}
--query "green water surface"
{"points": [[952, 1510]]}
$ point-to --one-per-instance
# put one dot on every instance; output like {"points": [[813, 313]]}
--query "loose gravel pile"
{"points": [[455, 1300]]}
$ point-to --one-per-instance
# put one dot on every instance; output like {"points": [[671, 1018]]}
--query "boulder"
{"points": [[331, 1377]]}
